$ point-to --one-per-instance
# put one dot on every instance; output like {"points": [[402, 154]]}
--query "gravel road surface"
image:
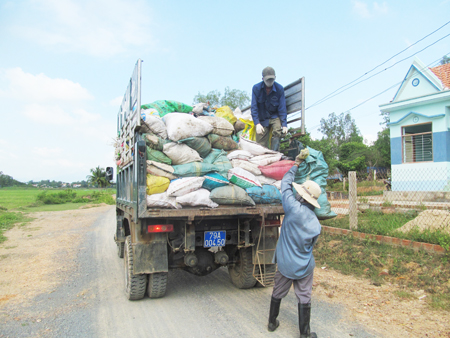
{"points": [[91, 302]]}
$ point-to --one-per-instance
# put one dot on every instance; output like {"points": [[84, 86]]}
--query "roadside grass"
{"points": [[378, 223], [382, 263], [9, 219], [364, 188]]}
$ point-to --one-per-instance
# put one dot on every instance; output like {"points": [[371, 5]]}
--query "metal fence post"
{"points": [[352, 197]]}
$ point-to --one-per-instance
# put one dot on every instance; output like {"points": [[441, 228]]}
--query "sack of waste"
{"points": [[276, 170], [218, 157], [153, 123], [242, 178], [277, 184], [193, 169], [265, 180], [162, 201], [222, 142], [239, 155], [254, 148], [181, 153], [253, 168], [226, 113], [157, 156], [221, 126], [181, 126], [183, 186], [200, 144], [154, 141], [214, 180], [268, 194], [265, 159], [160, 169], [164, 107], [156, 184], [197, 198], [231, 194]]}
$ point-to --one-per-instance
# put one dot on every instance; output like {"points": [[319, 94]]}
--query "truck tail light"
{"points": [[160, 228]]}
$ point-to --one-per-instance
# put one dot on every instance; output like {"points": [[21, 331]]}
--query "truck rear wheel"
{"points": [[135, 285], [157, 283], [241, 273]]}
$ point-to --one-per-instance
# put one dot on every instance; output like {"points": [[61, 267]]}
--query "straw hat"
{"points": [[310, 191]]}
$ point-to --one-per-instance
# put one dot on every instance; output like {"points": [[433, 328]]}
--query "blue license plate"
{"points": [[214, 238]]}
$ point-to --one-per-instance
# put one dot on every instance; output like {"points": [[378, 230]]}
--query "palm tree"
{"points": [[97, 177]]}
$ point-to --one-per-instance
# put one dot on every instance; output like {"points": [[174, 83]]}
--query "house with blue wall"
{"points": [[420, 130]]}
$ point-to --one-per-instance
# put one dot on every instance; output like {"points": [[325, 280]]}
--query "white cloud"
{"points": [[47, 114], [47, 152], [86, 117], [94, 27], [364, 10], [40, 88]]}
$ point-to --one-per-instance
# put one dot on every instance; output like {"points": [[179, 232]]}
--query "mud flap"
{"points": [[151, 257]]}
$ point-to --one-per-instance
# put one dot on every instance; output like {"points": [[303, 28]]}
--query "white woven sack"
{"points": [[239, 155], [160, 169], [183, 186], [254, 148], [181, 153], [181, 126], [238, 113], [162, 201], [154, 123], [277, 184], [242, 178], [265, 180], [250, 167], [197, 198], [221, 126], [266, 159]]}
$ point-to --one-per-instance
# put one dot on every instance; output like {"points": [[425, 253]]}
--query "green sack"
{"points": [[222, 142], [168, 106], [219, 158], [154, 142], [200, 144], [193, 169], [231, 194], [158, 156]]}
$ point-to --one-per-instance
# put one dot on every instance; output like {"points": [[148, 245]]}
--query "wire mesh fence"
{"points": [[422, 193]]}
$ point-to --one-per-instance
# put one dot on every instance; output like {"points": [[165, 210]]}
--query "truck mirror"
{"points": [[109, 173]]}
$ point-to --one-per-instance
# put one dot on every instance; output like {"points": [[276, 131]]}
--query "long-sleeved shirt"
{"points": [[268, 106], [299, 233]]}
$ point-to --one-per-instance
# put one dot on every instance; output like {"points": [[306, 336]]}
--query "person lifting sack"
{"points": [[269, 110]]}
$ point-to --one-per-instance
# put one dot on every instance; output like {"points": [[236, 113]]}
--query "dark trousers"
{"points": [[302, 287]]}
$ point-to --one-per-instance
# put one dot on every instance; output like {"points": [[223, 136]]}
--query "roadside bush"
{"points": [[70, 196]]}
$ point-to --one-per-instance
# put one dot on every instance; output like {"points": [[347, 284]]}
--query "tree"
{"points": [[383, 146], [97, 177], [445, 60], [232, 97]]}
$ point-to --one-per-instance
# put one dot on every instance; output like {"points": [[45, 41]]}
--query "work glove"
{"points": [[284, 130], [259, 129], [301, 157]]}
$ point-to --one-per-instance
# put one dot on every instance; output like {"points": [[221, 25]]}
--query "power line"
{"points": [[325, 97]]}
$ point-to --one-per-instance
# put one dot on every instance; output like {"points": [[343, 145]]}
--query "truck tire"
{"points": [[135, 285], [120, 249], [241, 273], [157, 283]]}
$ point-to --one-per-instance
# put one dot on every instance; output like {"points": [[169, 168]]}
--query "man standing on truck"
{"points": [[293, 254], [269, 110]]}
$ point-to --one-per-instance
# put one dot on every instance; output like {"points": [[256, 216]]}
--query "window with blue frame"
{"points": [[417, 143]]}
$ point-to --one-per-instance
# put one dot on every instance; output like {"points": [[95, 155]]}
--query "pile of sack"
{"points": [[203, 158]]}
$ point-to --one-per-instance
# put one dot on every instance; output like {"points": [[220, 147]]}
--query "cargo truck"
{"points": [[153, 241]]}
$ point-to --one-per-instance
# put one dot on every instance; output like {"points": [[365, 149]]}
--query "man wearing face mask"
{"points": [[269, 110], [294, 252]]}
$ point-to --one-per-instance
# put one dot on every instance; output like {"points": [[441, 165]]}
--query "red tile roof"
{"points": [[443, 73]]}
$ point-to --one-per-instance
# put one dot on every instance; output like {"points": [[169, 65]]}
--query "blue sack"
{"points": [[268, 194], [214, 180], [193, 169]]}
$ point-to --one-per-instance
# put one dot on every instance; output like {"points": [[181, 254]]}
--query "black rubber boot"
{"points": [[275, 144], [273, 314], [304, 316]]}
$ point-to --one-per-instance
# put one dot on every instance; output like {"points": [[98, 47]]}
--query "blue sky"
{"points": [[64, 64]]}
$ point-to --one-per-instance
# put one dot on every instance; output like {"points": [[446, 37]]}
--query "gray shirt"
{"points": [[299, 233]]}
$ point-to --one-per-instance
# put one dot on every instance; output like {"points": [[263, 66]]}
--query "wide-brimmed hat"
{"points": [[310, 191]]}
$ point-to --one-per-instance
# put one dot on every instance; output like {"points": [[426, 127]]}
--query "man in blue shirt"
{"points": [[269, 110], [293, 254]]}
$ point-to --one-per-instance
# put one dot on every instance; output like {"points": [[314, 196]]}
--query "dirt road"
{"points": [[61, 277]]}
